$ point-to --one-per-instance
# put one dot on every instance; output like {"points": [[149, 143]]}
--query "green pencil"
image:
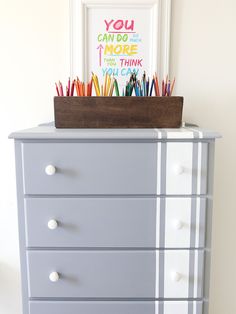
{"points": [[116, 88]]}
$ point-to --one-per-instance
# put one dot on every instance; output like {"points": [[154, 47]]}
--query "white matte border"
{"points": [[161, 33]]}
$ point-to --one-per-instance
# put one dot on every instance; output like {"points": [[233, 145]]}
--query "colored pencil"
{"points": [[58, 94], [61, 89], [151, 89], [172, 87], [72, 88], [68, 86], [116, 88]]}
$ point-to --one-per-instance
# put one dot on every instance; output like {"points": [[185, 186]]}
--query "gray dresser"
{"points": [[114, 221]]}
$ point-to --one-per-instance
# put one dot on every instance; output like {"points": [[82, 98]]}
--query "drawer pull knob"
{"points": [[50, 170], [52, 224], [178, 170], [175, 276], [178, 224], [54, 276]]}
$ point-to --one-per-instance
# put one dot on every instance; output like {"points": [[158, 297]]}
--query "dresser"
{"points": [[114, 221]]}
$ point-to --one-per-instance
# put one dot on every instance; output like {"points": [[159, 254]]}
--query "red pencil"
{"points": [[68, 87], [91, 87], [58, 94], [72, 88], [163, 88]]}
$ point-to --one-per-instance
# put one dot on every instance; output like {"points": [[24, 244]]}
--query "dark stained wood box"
{"points": [[118, 112]]}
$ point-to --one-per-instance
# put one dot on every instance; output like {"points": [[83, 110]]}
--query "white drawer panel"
{"points": [[183, 222], [186, 168]]}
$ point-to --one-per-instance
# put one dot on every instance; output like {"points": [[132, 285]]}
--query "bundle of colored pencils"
{"points": [[144, 88], [82, 89], [107, 88], [141, 87]]}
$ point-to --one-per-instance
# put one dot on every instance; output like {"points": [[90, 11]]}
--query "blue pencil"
{"points": [[151, 87]]}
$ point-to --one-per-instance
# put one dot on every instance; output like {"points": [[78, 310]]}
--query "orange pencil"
{"points": [[172, 87], [157, 86], [77, 88]]}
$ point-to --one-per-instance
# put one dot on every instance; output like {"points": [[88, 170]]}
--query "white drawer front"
{"points": [[182, 222], [186, 168], [183, 274]]}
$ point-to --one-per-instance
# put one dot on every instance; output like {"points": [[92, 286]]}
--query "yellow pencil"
{"points": [[108, 85], [112, 87], [96, 84], [105, 85]]}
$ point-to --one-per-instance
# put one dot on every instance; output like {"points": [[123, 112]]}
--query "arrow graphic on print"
{"points": [[100, 47]]}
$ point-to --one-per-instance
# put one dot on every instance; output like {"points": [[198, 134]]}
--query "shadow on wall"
{"points": [[10, 300]]}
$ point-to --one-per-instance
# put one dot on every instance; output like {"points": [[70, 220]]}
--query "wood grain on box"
{"points": [[118, 112]]}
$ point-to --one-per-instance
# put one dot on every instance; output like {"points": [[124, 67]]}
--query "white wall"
{"points": [[203, 56], [34, 53]]}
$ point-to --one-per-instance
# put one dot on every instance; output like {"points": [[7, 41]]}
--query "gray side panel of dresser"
{"points": [[21, 224], [207, 266]]}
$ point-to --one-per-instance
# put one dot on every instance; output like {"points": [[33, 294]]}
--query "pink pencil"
{"points": [[58, 94]]}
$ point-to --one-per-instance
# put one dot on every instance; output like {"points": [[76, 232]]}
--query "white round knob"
{"points": [[50, 170], [175, 276], [178, 169], [54, 276], [52, 224], [178, 224]]}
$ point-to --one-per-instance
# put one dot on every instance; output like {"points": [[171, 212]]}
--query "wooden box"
{"points": [[118, 112]]}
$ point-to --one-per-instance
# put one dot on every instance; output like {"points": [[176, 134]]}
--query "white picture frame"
{"points": [[84, 23]]}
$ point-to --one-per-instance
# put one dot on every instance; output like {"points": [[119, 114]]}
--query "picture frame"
{"points": [[101, 31]]}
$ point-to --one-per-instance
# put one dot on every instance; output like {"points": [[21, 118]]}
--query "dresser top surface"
{"points": [[49, 132]]}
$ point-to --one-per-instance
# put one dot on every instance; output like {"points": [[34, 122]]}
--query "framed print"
{"points": [[119, 37]]}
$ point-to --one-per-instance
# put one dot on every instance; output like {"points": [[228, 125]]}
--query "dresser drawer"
{"points": [[115, 307], [115, 274], [172, 168], [115, 222], [90, 168]]}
